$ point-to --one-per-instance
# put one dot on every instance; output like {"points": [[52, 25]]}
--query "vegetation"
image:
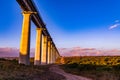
{"points": [[95, 67], [11, 70]]}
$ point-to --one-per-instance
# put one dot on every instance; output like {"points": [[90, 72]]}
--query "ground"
{"points": [[11, 70], [58, 70]]}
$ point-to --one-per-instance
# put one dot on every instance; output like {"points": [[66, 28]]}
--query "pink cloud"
{"points": [[88, 49], [13, 52], [114, 50], [88, 52], [75, 51], [9, 52]]}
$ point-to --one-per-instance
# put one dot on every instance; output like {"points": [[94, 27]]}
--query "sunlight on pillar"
{"points": [[25, 40], [37, 59], [49, 52], [53, 55], [44, 50]]}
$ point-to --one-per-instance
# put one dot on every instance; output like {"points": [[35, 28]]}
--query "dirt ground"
{"points": [[56, 69]]}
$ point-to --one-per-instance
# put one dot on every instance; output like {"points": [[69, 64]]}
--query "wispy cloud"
{"points": [[117, 24], [117, 21], [114, 26]]}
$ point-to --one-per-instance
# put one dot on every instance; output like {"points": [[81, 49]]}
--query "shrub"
{"points": [[73, 65]]}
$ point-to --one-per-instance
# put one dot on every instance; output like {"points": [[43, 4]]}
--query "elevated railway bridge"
{"points": [[45, 50]]}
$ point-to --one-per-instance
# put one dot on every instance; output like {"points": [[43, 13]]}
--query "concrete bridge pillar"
{"points": [[55, 54], [53, 58], [44, 50], [38, 49], [49, 52], [25, 39]]}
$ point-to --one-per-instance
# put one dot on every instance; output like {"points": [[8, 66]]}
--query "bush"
{"points": [[73, 65], [2, 59], [116, 67], [86, 67]]}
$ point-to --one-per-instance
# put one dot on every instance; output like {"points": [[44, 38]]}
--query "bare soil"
{"points": [[58, 70]]}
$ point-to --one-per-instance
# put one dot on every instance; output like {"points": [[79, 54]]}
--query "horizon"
{"points": [[74, 23], [75, 51]]}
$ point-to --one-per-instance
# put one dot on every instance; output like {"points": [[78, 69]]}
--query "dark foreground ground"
{"points": [[11, 70]]}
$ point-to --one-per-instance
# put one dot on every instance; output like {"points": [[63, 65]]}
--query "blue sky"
{"points": [[71, 23]]}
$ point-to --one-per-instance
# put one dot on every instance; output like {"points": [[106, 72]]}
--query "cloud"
{"points": [[75, 51], [13, 52], [78, 51], [88, 49], [117, 21], [9, 52], [114, 26]]}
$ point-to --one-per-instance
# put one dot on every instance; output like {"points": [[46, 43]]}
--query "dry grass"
{"points": [[11, 70], [97, 68]]}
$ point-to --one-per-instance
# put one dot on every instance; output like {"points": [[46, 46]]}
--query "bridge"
{"points": [[45, 50]]}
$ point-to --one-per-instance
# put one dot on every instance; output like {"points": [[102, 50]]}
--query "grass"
{"points": [[96, 68], [11, 70], [93, 72]]}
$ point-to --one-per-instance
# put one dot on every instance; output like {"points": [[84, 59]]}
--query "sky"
{"points": [[71, 23]]}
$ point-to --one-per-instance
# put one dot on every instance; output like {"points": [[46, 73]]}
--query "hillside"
{"points": [[95, 67]]}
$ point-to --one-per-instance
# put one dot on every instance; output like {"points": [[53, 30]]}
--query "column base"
{"points": [[37, 62], [23, 59]]}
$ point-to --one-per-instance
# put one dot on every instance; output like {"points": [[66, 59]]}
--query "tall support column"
{"points": [[25, 39], [37, 59], [53, 54], [49, 52], [57, 54], [44, 50]]}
